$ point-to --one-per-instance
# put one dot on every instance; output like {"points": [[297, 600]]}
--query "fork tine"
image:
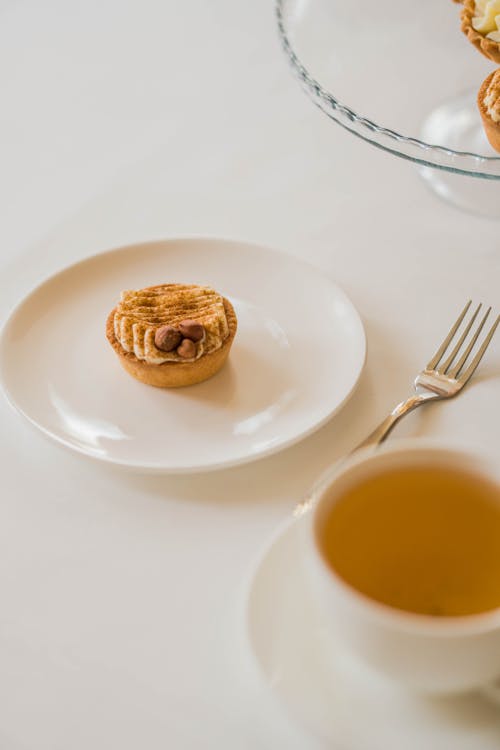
{"points": [[454, 372], [437, 357], [445, 367], [464, 377]]}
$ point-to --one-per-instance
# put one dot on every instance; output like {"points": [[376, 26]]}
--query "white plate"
{"points": [[336, 697], [298, 353]]}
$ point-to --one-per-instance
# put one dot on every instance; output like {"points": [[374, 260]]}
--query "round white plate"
{"points": [[341, 701], [298, 353]]}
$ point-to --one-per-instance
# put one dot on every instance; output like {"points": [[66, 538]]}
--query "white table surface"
{"points": [[138, 119]]}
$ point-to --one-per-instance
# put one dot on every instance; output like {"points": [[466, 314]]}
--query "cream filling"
{"points": [[492, 107], [140, 313], [492, 98], [487, 19]]}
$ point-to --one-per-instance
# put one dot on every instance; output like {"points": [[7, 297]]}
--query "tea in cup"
{"points": [[403, 546]]}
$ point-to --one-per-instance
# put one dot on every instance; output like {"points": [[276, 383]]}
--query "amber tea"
{"points": [[421, 539]]}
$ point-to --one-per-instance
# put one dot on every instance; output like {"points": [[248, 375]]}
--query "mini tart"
{"points": [[488, 47], [175, 373], [491, 128]]}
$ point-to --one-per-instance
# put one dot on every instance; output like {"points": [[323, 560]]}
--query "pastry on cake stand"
{"points": [[481, 25], [488, 101]]}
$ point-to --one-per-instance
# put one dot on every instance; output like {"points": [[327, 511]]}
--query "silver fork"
{"points": [[441, 379]]}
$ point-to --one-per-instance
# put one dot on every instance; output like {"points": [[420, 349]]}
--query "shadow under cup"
{"points": [[403, 548]]}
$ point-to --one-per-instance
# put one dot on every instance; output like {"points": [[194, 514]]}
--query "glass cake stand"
{"points": [[410, 67]]}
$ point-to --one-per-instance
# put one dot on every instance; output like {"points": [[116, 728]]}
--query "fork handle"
{"points": [[380, 433]]}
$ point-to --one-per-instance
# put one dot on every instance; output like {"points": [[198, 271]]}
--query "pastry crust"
{"points": [[175, 374], [487, 47], [491, 128]]}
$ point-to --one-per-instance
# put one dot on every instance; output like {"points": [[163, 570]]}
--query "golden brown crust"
{"points": [[487, 47], [491, 128], [174, 374]]}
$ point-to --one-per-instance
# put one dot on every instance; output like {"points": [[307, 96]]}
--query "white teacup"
{"points": [[425, 652]]}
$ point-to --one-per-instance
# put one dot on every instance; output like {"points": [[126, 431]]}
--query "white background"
{"points": [[125, 120]]}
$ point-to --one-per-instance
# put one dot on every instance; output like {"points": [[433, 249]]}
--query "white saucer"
{"points": [[338, 699], [297, 356]]}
